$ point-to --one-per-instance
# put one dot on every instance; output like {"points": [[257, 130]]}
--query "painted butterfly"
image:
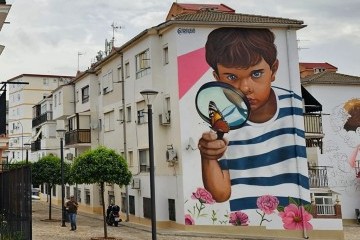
{"points": [[217, 120]]}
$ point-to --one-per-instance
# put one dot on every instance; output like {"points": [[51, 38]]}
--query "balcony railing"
{"points": [[47, 116], [318, 177], [313, 130], [78, 136], [36, 145], [313, 123]]}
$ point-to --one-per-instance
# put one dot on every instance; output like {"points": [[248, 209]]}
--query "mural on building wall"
{"points": [[345, 122], [255, 175]]}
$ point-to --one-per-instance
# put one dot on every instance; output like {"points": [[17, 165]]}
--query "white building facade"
{"points": [[107, 109]]}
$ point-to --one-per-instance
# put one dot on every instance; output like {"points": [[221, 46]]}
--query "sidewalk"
{"points": [[91, 225]]}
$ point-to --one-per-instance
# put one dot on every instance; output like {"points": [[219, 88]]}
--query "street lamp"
{"points": [[61, 133], [149, 96], [27, 147]]}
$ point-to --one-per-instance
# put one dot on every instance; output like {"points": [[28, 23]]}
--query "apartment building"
{"points": [[25, 91], [337, 161], [103, 106]]}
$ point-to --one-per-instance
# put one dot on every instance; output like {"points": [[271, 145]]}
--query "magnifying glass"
{"points": [[222, 106]]}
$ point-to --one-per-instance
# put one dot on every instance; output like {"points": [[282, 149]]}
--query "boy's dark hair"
{"points": [[240, 47]]}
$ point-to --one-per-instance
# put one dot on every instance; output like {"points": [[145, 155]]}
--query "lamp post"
{"points": [[149, 96], [27, 147], [61, 133]]}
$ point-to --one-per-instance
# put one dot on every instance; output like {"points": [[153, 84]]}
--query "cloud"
{"points": [[45, 36]]}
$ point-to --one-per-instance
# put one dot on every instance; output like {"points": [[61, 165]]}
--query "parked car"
{"points": [[35, 192]]}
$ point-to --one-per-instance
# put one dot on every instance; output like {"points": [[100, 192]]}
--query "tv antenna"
{"points": [[114, 28], [79, 54]]}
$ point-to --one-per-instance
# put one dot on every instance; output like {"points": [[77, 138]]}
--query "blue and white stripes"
{"points": [[269, 158]]}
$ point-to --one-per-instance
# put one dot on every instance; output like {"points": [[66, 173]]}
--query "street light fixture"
{"points": [[27, 147], [61, 133], [149, 96]]}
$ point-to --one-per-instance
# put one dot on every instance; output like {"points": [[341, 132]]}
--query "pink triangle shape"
{"points": [[191, 67]]}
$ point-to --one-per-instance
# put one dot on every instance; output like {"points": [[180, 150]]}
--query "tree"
{"points": [[100, 166], [48, 170]]}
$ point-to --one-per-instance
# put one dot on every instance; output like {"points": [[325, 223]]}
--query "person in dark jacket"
{"points": [[72, 207]]}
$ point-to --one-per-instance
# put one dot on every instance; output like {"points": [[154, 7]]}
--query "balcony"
{"points": [[313, 130], [78, 136], [36, 145], [318, 177], [47, 116]]}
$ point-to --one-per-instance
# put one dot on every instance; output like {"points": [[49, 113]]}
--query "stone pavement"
{"points": [[91, 226]]}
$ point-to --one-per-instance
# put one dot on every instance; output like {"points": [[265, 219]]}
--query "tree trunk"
{"points": [[49, 194], [103, 208]]}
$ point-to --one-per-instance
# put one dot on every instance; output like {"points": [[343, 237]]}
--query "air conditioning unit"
{"points": [[171, 155], [135, 183], [164, 118]]}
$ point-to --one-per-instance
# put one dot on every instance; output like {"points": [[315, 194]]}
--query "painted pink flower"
{"points": [[189, 220], [203, 196], [296, 218], [267, 203], [239, 218]]}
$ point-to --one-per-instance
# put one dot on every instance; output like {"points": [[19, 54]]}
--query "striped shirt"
{"points": [[269, 158]]}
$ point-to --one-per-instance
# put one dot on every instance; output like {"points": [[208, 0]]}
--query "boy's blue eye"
{"points": [[231, 77], [256, 74]]}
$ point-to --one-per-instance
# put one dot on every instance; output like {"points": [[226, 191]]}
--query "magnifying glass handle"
{"points": [[220, 135]]}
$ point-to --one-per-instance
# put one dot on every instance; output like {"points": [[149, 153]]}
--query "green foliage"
{"points": [[48, 170], [18, 164], [100, 165]]}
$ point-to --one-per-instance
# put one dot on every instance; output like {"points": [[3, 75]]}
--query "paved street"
{"points": [[91, 226]]}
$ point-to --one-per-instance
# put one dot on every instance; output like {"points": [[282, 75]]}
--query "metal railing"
{"points": [[47, 116], [313, 123], [78, 136], [318, 177]]}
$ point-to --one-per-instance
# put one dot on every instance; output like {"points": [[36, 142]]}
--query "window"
{"points": [[78, 195], [67, 192], [127, 70], [109, 121], [142, 63], [128, 113], [111, 197], [60, 98], [172, 213], [166, 55], [130, 158], [141, 112], [141, 116], [147, 207], [87, 196], [143, 159], [121, 115], [123, 202], [54, 190], [131, 204], [85, 94], [324, 203], [107, 83], [55, 100]]}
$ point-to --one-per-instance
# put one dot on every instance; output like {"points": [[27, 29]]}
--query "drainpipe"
{"points": [[297, 161], [124, 130]]}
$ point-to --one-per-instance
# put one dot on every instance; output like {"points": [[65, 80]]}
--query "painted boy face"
{"points": [[254, 82]]}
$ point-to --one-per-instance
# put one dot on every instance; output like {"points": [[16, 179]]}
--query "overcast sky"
{"points": [[45, 36]]}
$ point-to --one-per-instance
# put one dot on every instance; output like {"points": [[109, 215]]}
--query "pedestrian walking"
{"points": [[71, 207]]}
